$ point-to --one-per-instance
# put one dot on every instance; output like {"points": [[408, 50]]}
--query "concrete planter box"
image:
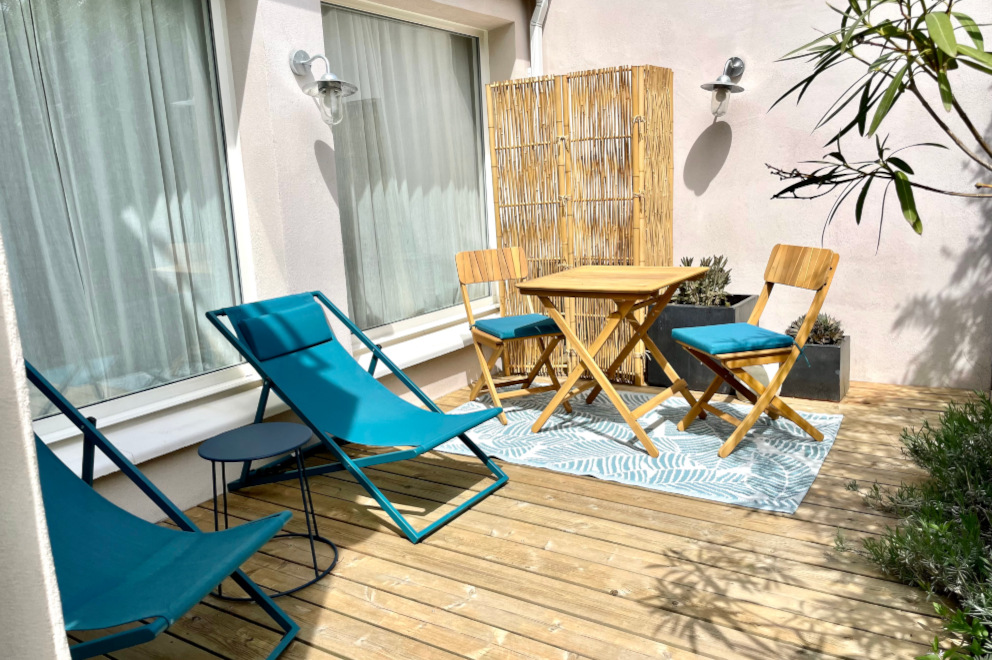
{"points": [[828, 375], [685, 316]]}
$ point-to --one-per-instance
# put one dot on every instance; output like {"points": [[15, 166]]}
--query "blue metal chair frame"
{"points": [[275, 471], [94, 439]]}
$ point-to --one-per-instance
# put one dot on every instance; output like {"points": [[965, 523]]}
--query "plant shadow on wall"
{"points": [[957, 324], [706, 157]]}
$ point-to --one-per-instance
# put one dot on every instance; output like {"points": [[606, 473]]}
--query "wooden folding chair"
{"points": [[505, 265], [727, 349]]}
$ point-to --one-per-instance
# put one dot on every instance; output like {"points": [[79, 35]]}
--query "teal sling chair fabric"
{"points": [[114, 568], [289, 342]]}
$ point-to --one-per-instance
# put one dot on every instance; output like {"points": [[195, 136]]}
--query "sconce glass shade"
{"points": [[720, 101], [327, 92], [724, 86]]}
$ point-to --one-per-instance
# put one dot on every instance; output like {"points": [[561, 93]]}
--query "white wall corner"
{"points": [[30, 609]]}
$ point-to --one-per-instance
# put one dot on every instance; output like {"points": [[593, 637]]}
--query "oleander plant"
{"points": [[914, 51]]}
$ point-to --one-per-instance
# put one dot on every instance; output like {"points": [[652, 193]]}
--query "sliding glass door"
{"points": [[409, 156], [114, 209]]}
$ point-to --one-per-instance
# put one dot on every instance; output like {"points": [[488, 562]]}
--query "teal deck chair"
{"points": [[114, 568], [291, 345]]}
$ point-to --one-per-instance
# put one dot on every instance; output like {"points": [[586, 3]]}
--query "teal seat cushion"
{"points": [[517, 327], [731, 338], [278, 333]]}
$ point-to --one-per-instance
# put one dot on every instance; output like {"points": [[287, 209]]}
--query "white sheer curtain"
{"points": [[409, 162], [114, 208]]}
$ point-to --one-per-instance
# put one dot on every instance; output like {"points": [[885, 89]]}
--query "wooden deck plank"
{"points": [[679, 598], [688, 580], [495, 514], [557, 593], [559, 566], [387, 548], [164, 647]]}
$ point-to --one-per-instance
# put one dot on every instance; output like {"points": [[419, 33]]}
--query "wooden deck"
{"points": [[557, 566]]}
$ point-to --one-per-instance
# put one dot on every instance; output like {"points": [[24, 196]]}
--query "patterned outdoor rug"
{"points": [[772, 468]]}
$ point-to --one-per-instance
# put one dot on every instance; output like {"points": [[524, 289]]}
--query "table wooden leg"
{"points": [[612, 321], [640, 330], [545, 361], [587, 356], [678, 383]]}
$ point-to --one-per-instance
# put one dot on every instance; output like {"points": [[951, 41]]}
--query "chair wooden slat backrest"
{"points": [[802, 267], [484, 266], [477, 266]]}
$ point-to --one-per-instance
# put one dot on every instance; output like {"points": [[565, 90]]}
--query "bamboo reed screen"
{"points": [[582, 174]]}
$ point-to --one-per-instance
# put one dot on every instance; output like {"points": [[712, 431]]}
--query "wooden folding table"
{"points": [[631, 288]]}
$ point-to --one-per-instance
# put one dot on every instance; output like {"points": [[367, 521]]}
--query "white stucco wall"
{"points": [[30, 611], [920, 309]]}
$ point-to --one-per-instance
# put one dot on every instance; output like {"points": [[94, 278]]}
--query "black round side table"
{"points": [[257, 442]]}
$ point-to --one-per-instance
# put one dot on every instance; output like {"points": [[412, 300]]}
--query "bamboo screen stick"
{"points": [[582, 174], [524, 152], [658, 166]]}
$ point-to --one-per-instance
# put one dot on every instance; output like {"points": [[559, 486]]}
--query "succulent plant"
{"points": [[711, 289], [826, 330]]}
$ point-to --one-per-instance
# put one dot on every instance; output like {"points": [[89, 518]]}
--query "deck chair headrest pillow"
{"points": [[271, 335]]}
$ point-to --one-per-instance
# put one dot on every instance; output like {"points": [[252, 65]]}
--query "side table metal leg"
{"points": [[223, 476], [213, 478], [307, 508]]}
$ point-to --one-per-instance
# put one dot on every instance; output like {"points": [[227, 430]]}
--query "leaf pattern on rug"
{"points": [[771, 469]]}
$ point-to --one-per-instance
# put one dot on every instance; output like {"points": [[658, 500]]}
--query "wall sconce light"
{"points": [[327, 90], [723, 86]]}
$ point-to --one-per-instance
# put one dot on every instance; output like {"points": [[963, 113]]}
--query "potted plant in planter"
{"points": [[828, 350], [703, 302]]}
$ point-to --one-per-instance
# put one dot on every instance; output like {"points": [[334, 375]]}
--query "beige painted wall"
{"points": [[920, 309], [30, 611]]}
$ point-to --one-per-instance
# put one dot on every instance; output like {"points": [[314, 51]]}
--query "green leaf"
{"points": [[942, 32], [889, 31], [945, 90], [807, 45], [908, 203], [901, 164], [848, 32], [842, 102], [863, 108], [971, 27], [888, 99], [860, 206], [975, 54]]}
